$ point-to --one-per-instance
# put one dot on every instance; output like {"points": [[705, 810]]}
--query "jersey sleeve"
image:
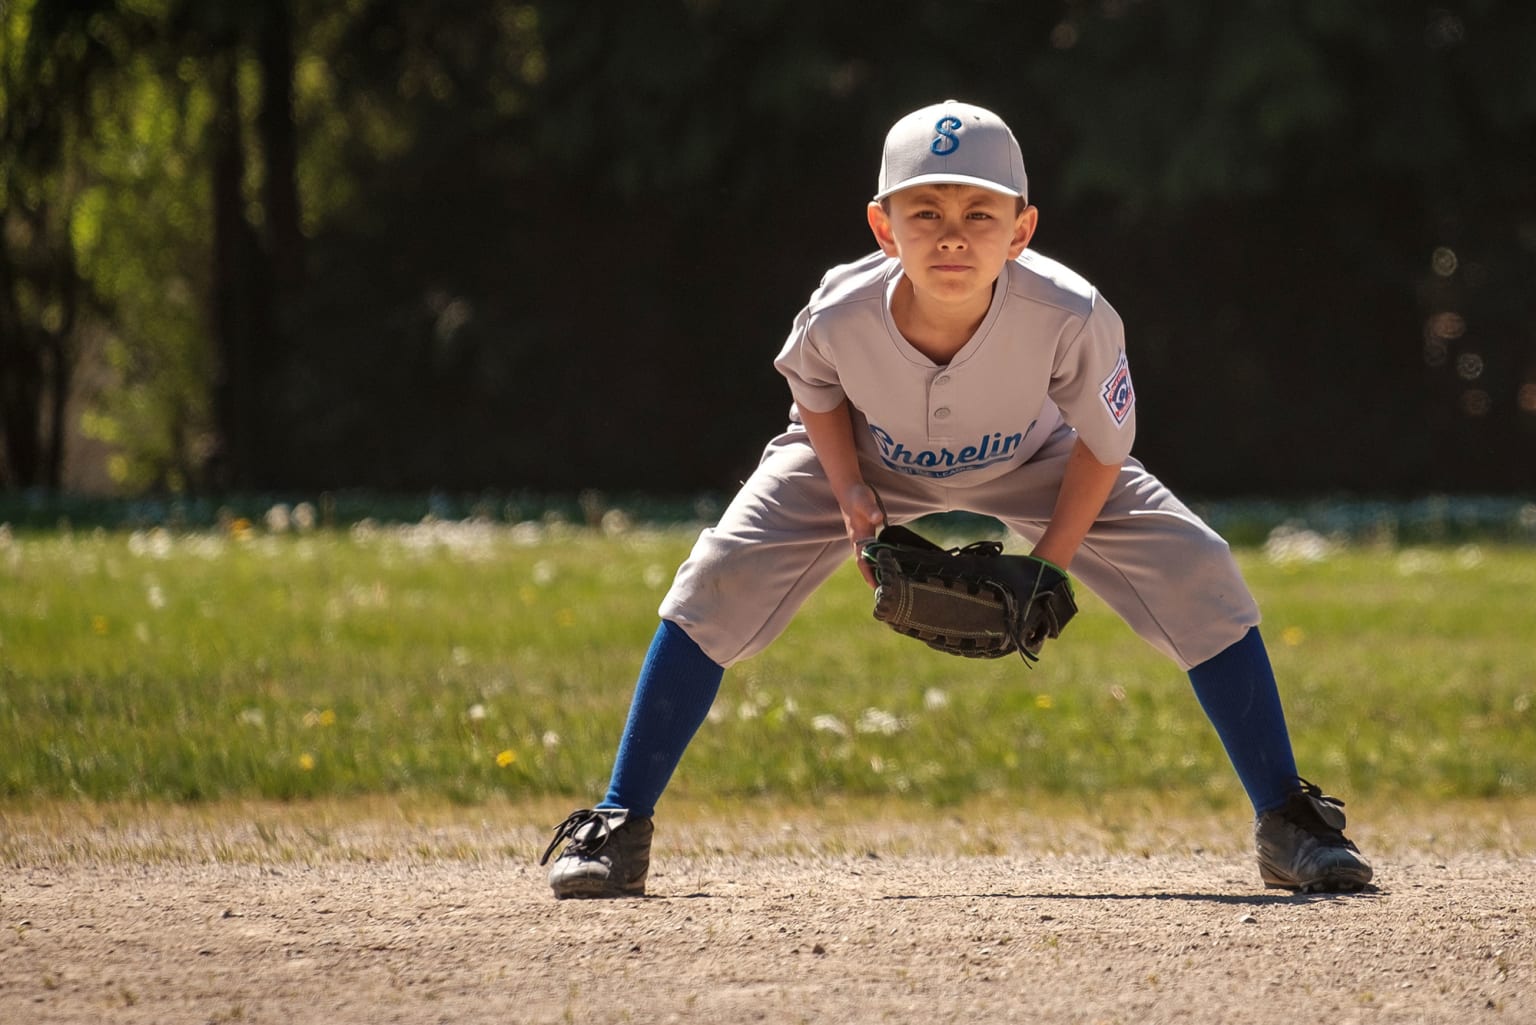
{"points": [[1091, 384], [809, 369]]}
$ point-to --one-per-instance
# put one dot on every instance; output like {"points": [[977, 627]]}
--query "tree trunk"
{"points": [[285, 236], [237, 384], [20, 387]]}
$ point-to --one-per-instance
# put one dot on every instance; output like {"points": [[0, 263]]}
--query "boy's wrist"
{"points": [[1051, 555]]}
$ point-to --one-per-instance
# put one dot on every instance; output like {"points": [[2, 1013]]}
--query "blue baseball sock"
{"points": [[1237, 690], [677, 684]]}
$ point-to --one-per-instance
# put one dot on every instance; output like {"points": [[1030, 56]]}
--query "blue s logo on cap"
{"points": [[946, 142]]}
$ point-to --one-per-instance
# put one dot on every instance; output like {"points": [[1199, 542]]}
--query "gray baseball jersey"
{"points": [[1049, 349], [990, 433]]}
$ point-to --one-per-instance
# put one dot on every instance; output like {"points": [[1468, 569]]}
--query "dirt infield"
{"points": [[382, 914]]}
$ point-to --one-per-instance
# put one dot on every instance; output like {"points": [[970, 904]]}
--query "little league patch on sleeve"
{"points": [[1119, 397]]}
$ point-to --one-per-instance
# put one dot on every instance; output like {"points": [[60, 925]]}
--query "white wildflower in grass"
{"points": [[656, 576], [364, 597], [476, 713], [935, 699], [472, 540], [460, 656], [251, 717], [151, 544], [203, 546], [527, 534], [304, 517], [829, 724], [615, 522], [878, 720], [747, 710], [543, 573], [1289, 544], [279, 518], [154, 595], [550, 740], [1415, 561], [1469, 557]]}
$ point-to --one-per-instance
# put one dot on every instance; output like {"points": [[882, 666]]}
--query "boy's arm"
{"points": [[1084, 487], [831, 435]]}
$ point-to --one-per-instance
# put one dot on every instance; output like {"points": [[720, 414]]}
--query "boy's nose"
{"points": [[951, 240]]}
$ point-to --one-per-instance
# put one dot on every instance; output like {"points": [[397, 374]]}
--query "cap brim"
{"points": [[948, 179]]}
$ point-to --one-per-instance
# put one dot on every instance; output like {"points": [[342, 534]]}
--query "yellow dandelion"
{"points": [[307, 762], [506, 758], [318, 717], [1293, 636], [1043, 701], [99, 625], [566, 617]]}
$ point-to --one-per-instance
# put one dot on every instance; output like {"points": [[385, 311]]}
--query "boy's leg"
{"points": [[779, 540], [676, 688], [1174, 581], [1238, 692], [608, 848]]}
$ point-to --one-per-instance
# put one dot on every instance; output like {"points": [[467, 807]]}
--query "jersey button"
{"points": [[942, 413], [941, 380]]}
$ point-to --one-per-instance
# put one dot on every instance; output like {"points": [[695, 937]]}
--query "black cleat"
{"points": [[607, 854], [1302, 846]]}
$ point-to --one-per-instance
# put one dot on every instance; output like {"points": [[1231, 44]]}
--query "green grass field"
{"points": [[469, 661]]}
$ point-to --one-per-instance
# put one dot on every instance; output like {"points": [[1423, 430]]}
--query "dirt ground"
{"points": [[383, 913]]}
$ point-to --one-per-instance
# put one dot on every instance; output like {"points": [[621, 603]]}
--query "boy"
{"points": [[956, 369]]}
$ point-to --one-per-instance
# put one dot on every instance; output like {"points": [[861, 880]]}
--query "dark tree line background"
{"points": [[290, 244]]}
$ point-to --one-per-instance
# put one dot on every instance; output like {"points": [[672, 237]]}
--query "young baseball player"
{"points": [[956, 369]]}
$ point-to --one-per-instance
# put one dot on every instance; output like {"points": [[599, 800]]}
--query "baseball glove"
{"points": [[972, 601]]}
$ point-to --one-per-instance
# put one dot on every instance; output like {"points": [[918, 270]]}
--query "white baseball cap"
{"points": [[953, 143]]}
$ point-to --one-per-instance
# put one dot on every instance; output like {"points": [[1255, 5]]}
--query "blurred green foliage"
{"points": [[549, 245]]}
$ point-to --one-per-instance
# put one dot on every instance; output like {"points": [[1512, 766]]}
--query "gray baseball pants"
{"points": [[1153, 561]]}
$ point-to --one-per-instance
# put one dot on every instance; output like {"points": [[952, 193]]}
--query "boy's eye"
{"points": [[979, 215]]}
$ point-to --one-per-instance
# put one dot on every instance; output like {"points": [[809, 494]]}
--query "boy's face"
{"points": [[952, 240]]}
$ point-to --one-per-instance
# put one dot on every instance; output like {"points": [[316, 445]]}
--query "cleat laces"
{"points": [[1326, 819], [582, 839]]}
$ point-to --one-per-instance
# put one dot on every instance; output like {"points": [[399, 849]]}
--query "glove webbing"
{"points": [[1012, 620]]}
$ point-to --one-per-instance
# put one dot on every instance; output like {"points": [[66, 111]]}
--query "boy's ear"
{"points": [[880, 224], [1023, 230]]}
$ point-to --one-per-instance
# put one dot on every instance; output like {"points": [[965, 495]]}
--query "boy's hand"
{"points": [[862, 519]]}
